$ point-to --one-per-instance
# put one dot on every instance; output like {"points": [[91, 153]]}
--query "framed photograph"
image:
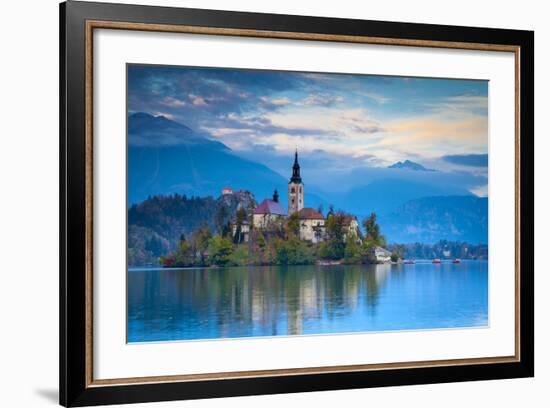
{"points": [[256, 203]]}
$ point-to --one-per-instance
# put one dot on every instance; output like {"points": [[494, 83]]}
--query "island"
{"points": [[266, 234]]}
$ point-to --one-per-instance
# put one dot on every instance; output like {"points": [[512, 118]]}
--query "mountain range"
{"points": [[188, 163], [166, 157], [430, 219], [409, 165]]}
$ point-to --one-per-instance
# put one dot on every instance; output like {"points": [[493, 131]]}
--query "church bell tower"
{"points": [[295, 188]]}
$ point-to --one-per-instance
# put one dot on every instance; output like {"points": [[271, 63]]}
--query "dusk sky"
{"points": [[340, 123]]}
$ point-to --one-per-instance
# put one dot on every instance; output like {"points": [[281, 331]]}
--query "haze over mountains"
{"points": [[166, 157]]}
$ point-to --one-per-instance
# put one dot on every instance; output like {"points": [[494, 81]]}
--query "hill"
{"points": [[387, 195], [431, 219], [156, 224]]}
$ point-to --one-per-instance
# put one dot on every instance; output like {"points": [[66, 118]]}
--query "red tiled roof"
{"points": [[270, 207], [310, 214]]}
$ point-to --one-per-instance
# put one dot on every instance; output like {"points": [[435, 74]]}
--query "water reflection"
{"points": [[270, 301]]}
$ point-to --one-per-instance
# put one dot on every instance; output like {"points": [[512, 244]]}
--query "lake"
{"points": [[214, 303]]}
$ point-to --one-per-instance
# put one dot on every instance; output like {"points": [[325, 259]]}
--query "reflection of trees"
{"points": [[256, 301]]}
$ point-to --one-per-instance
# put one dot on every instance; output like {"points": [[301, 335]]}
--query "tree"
{"points": [[227, 231], [221, 215], [372, 231], [219, 250], [352, 252], [394, 257], [183, 255], [240, 256], [240, 218], [294, 252], [154, 245], [199, 243], [240, 215], [293, 226], [335, 244], [318, 232], [260, 240]]}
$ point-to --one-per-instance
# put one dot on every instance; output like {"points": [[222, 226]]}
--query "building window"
{"points": [[292, 190], [300, 190], [293, 201]]}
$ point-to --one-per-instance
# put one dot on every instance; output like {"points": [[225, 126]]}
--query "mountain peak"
{"points": [[145, 129], [145, 119], [409, 165]]}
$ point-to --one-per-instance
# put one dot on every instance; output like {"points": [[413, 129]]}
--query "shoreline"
{"points": [[322, 264]]}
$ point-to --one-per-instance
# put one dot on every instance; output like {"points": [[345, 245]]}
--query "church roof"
{"points": [[310, 214], [270, 207]]}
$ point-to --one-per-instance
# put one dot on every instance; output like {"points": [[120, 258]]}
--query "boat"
{"points": [[409, 261], [456, 261], [436, 261]]}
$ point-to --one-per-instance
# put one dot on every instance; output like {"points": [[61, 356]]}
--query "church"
{"points": [[312, 222]]}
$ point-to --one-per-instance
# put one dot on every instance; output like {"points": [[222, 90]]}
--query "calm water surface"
{"points": [[189, 304]]}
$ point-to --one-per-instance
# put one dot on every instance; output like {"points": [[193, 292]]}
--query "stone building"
{"points": [[268, 213], [351, 226], [312, 225], [244, 233], [381, 255]]}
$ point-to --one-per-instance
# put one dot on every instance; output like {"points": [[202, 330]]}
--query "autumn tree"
{"points": [[219, 250], [183, 255], [199, 243]]}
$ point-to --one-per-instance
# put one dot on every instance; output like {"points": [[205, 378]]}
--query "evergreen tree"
{"points": [[372, 231], [221, 215], [293, 226], [335, 244]]}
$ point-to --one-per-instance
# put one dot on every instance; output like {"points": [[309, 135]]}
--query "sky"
{"points": [[342, 124]]}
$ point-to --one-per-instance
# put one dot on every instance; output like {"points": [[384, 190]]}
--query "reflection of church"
{"points": [[312, 222]]}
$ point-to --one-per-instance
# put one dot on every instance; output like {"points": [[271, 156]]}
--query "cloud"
{"points": [[473, 160], [274, 103], [197, 100], [438, 134], [381, 99], [172, 102], [322, 99], [459, 105], [164, 114], [345, 120]]}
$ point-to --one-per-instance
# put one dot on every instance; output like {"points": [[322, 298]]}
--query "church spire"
{"points": [[296, 170], [295, 188]]}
